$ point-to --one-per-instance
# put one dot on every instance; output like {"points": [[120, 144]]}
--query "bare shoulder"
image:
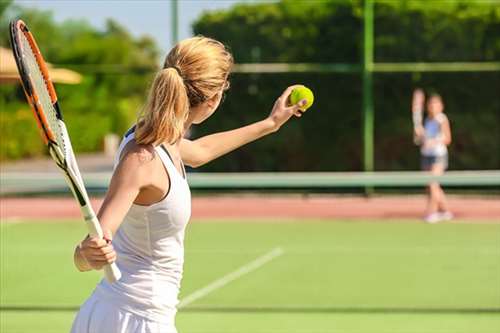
{"points": [[135, 155], [185, 141], [442, 118]]}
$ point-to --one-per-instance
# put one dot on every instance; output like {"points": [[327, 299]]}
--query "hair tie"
{"points": [[178, 71]]}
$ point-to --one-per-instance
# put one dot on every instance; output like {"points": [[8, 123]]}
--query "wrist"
{"points": [[270, 126]]}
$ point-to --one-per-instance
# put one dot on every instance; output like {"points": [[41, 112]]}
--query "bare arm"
{"points": [[205, 149], [445, 128], [129, 177], [417, 107]]}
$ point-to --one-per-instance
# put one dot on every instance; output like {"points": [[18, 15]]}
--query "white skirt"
{"points": [[98, 316]]}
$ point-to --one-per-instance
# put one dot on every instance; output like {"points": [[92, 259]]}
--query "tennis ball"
{"points": [[301, 93]]}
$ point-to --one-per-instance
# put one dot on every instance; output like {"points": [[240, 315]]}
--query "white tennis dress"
{"points": [[150, 254]]}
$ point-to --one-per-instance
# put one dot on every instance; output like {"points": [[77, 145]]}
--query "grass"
{"points": [[333, 277]]}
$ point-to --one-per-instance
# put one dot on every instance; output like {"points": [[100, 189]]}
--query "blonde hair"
{"points": [[194, 71]]}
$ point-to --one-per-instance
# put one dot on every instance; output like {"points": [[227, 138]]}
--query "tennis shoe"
{"points": [[446, 216], [432, 217]]}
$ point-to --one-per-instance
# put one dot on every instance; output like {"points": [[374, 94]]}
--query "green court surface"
{"points": [[280, 277]]}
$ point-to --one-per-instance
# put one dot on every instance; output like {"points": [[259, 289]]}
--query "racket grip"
{"points": [[112, 273]]}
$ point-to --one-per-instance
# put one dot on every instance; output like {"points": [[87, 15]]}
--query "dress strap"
{"points": [[169, 162]]}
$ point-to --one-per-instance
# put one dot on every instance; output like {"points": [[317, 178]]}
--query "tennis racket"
{"points": [[41, 95]]}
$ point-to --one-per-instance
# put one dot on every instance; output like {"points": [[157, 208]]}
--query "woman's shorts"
{"points": [[98, 316], [427, 162]]}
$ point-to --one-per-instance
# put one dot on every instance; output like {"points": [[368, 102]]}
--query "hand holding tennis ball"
{"points": [[301, 93], [294, 100]]}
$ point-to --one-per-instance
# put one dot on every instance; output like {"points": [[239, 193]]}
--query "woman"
{"points": [[147, 205], [433, 136]]}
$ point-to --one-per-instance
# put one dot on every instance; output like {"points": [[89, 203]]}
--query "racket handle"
{"points": [[111, 272]]}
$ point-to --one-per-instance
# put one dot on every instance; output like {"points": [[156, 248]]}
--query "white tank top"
{"points": [[150, 249], [432, 128]]}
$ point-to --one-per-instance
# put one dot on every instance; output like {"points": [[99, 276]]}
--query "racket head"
{"points": [[39, 90]]}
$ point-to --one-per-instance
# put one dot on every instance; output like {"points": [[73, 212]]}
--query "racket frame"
{"points": [[65, 159]]}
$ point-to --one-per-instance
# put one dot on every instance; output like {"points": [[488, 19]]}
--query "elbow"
{"points": [[195, 165], [198, 162]]}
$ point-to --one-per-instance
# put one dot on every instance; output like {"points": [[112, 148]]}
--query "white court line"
{"points": [[10, 222], [219, 283]]}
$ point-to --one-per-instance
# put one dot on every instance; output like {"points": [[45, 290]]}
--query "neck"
{"points": [[188, 122]]}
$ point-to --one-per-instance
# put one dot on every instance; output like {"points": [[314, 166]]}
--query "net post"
{"points": [[368, 117], [174, 21]]}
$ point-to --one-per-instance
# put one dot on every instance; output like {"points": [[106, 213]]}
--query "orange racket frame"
{"points": [[63, 156]]}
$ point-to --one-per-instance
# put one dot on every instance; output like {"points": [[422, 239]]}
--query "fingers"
{"points": [[97, 261], [418, 96], [103, 259], [418, 92], [284, 96], [95, 242], [297, 108], [98, 252]]}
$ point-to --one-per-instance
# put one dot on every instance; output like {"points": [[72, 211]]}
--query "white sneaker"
{"points": [[446, 216], [433, 218]]}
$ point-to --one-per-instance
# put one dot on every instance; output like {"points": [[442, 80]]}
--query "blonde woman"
{"points": [[148, 202], [433, 136]]}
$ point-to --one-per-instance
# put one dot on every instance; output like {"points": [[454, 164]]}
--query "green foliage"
{"points": [[287, 31], [116, 71], [328, 137], [20, 136]]}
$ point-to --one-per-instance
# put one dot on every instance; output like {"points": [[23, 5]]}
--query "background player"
{"points": [[433, 135]]}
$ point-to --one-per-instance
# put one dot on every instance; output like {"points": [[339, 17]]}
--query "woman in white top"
{"points": [[433, 136], [148, 202]]}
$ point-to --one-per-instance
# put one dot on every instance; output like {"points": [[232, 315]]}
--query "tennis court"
{"points": [[351, 276], [315, 229]]}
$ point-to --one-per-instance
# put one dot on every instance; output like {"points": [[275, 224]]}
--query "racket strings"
{"points": [[40, 86]]}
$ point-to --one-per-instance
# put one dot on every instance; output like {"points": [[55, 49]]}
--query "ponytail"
{"points": [[162, 118], [195, 70]]}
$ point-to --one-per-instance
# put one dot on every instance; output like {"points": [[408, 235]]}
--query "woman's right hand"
{"points": [[418, 100], [97, 252], [282, 112]]}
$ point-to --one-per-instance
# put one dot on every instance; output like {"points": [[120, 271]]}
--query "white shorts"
{"points": [[98, 316]]}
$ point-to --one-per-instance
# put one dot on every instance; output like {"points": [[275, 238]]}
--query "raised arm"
{"points": [[417, 110], [129, 177], [205, 149]]}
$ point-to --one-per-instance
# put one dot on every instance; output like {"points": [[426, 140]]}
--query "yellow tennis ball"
{"points": [[301, 93]]}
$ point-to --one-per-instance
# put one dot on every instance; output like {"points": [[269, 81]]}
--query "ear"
{"points": [[214, 100]]}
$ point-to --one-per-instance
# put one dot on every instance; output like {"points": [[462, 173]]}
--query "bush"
{"points": [[20, 135], [328, 137]]}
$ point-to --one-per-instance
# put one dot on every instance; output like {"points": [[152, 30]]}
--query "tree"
{"points": [[328, 136], [116, 70]]}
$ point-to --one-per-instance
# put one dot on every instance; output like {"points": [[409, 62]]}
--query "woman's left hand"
{"points": [[282, 111]]}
